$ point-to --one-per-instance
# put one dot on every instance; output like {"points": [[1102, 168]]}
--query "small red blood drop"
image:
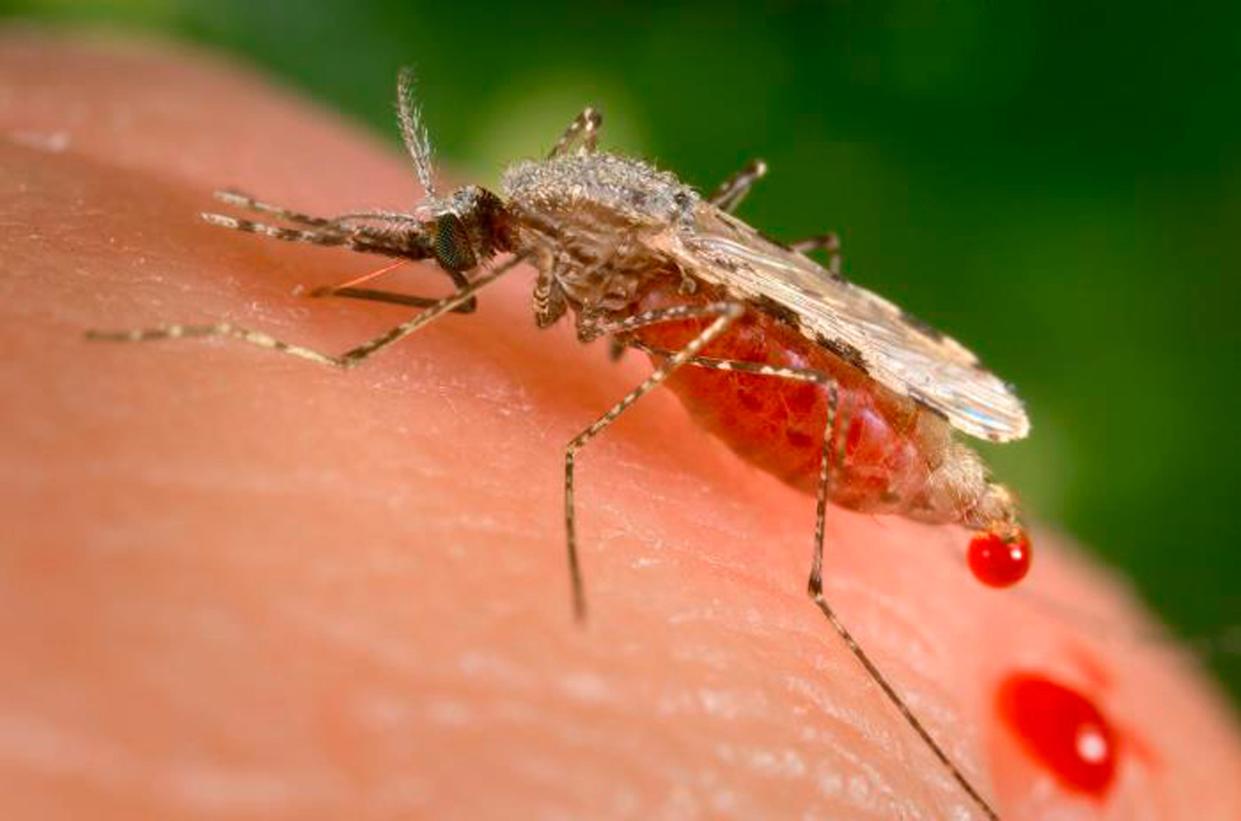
{"points": [[1062, 729], [997, 561]]}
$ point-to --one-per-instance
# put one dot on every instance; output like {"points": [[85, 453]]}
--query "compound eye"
{"points": [[452, 244]]}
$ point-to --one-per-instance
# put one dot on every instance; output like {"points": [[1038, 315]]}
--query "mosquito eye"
{"points": [[452, 244]]}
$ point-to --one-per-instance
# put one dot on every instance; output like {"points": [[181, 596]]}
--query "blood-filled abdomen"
{"points": [[885, 447]]}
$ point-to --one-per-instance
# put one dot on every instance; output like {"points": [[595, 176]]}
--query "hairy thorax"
{"points": [[589, 220]]}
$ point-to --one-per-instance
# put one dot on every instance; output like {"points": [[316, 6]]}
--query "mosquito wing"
{"points": [[896, 350]]}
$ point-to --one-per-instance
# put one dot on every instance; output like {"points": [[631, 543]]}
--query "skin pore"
{"points": [[240, 585]]}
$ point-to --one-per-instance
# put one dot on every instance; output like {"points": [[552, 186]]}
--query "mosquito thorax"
{"points": [[591, 217], [599, 187]]}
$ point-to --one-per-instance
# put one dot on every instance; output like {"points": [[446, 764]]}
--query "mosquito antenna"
{"points": [[413, 132]]}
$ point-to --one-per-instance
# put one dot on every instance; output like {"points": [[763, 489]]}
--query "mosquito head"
{"points": [[465, 228]]}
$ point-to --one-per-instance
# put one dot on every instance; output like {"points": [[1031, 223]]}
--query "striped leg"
{"points": [[585, 127], [828, 242], [724, 314], [825, 463], [733, 190], [815, 585], [346, 360]]}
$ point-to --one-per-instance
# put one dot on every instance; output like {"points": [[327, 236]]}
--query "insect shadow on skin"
{"points": [[868, 396]]}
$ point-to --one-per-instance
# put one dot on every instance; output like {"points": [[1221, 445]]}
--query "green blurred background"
{"points": [[1056, 186]]}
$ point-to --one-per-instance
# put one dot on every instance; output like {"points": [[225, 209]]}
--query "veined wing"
{"points": [[896, 350]]}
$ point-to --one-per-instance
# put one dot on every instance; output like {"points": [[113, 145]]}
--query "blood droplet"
{"points": [[997, 561], [1062, 729]]}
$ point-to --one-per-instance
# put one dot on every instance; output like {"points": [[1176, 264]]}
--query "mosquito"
{"points": [[814, 379]]}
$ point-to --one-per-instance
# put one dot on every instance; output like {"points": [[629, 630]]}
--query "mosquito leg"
{"points": [[733, 190], [549, 300], [815, 585], [348, 359], [724, 313], [590, 329], [829, 242], [815, 588], [585, 127]]}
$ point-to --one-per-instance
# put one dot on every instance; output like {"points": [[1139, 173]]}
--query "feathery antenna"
{"points": [[413, 132]]}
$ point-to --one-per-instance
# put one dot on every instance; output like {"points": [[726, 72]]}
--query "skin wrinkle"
{"points": [[39, 744]]}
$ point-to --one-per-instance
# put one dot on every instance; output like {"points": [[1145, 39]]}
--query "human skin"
{"points": [[236, 584]]}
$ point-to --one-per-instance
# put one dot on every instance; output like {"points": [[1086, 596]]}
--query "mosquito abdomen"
{"points": [[886, 448]]}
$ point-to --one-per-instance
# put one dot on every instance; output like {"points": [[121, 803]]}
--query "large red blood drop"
{"points": [[1063, 730]]}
